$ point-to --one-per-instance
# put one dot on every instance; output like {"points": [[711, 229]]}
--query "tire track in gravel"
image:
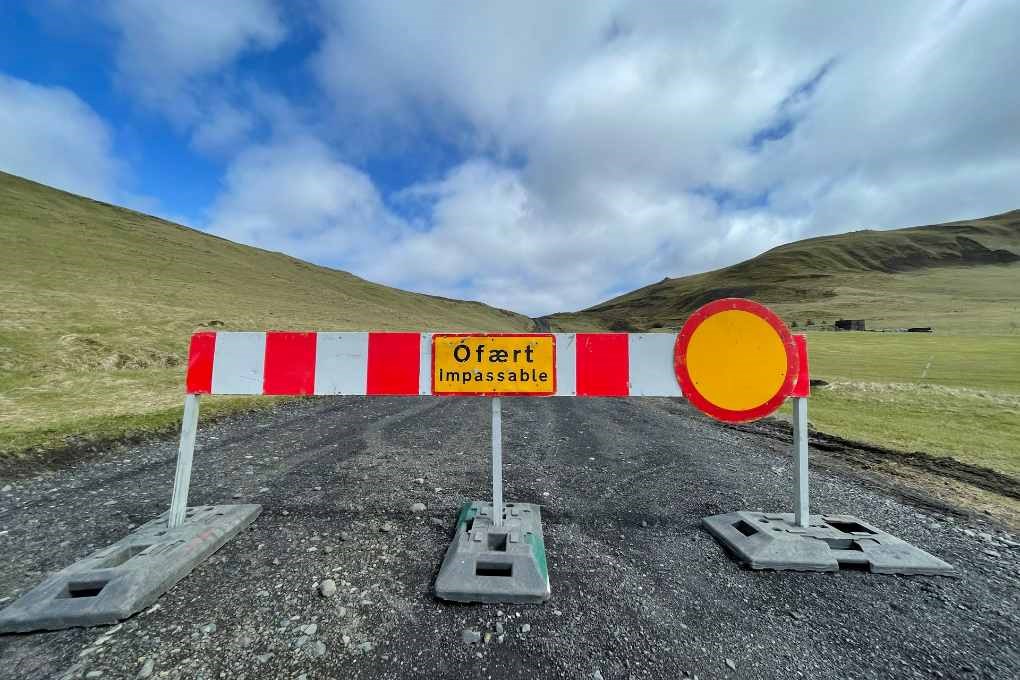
{"points": [[207, 452], [586, 523], [639, 590], [662, 462], [346, 442], [864, 455]]}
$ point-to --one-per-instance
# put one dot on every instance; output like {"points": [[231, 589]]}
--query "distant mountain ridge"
{"points": [[814, 270], [99, 303]]}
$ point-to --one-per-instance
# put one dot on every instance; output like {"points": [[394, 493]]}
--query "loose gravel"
{"points": [[640, 590]]}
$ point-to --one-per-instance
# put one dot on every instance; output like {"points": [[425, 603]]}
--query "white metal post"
{"points": [[185, 452], [497, 463], [800, 452]]}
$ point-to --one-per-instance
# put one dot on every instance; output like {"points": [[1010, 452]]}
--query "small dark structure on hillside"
{"points": [[850, 325], [921, 329]]}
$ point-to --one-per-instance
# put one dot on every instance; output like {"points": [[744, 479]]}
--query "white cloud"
{"points": [[493, 238], [600, 132], [483, 234], [224, 128], [49, 135], [606, 145], [295, 196], [910, 131], [178, 58], [596, 146], [165, 45]]}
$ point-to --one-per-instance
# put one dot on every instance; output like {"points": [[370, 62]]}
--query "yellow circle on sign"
{"points": [[736, 360]]}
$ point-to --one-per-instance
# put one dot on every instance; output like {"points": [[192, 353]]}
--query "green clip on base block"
{"points": [[496, 564]]}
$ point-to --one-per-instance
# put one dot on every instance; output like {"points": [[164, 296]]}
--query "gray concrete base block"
{"points": [[489, 564], [773, 541], [113, 583]]}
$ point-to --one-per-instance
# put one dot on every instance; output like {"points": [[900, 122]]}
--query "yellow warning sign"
{"points": [[736, 360], [494, 365]]}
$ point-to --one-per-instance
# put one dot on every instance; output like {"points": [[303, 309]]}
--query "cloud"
{"points": [[179, 59], [910, 131], [165, 45], [492, 237], [49, 135], [295, 196], [225, 127], [479, 232], [613, 143], [601, 147]]}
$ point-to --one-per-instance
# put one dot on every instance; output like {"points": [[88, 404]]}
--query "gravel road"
{"points": [[639, 589]]}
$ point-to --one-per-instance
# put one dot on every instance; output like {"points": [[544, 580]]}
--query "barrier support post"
{"points": [[497, 462], [176, 548], [800, 452], [185, 453], [496, 558]]}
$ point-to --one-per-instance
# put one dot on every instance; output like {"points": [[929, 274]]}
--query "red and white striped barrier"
{"points": [[734, 359], [400, 364]]}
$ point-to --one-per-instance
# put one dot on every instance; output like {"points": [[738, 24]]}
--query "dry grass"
{"points": [[953, 392], [966, 405], [960, 278], [99, 303]]}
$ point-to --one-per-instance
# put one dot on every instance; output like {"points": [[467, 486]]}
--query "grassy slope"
{"points": [[962, 278], [957, 277], [966, 405], [99, 302]]}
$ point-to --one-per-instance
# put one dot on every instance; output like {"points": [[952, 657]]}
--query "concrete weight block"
{"points": [[485, 563], [117, 581], [774, 541]]}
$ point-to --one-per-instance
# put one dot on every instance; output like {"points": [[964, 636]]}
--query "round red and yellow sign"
{"points": [[736, 360]]}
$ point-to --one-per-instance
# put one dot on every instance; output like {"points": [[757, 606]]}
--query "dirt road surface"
{"points": [[640, 590]]}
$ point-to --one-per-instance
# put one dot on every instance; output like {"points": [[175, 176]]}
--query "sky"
{"points": [[537, 156]]}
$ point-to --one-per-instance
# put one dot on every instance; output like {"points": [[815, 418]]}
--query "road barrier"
{"points": [[733, 359], [407, 364]]}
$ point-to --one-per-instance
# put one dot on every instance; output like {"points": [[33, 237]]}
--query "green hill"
{"points": [[954, 392], [99, 303], [958, 277]]}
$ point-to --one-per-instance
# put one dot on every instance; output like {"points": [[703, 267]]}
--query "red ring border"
{"points": [[687, 385]]}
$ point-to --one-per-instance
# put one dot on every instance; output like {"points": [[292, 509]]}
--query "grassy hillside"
{"points": [[947, 395], [99, 303], [940, 394], [961, 277], [952, 393]]}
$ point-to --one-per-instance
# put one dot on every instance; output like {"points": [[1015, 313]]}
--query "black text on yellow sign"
{"points": [[494, 365]]}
